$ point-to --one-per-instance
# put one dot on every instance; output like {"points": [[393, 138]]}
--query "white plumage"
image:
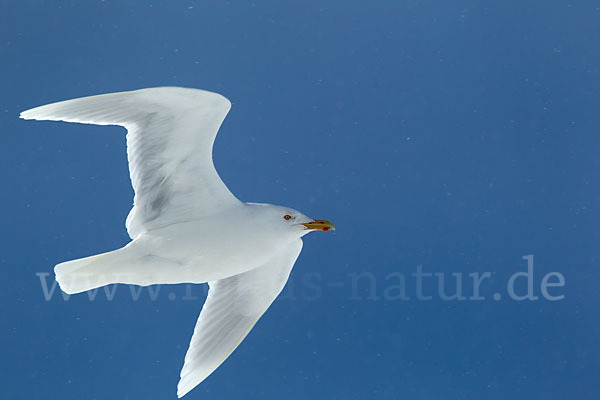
{"points": [[185, 225]]}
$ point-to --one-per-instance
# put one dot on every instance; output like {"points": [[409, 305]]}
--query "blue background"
{"points": [[460, 136]]}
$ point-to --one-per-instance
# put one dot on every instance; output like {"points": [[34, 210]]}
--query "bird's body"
{"points": [[186, 226], [207, 249]]}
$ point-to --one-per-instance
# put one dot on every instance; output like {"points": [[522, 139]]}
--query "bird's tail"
{"points": [[90, 272], [133, 264]]}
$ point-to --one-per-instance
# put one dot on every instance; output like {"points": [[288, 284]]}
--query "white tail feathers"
{"points": [[77, 276], [132, 264]]}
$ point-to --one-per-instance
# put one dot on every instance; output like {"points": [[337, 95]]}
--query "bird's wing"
{"points": [[231, 309], [169, 146]]}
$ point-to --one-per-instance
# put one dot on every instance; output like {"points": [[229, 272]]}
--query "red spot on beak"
{"points": [[325, 229]]}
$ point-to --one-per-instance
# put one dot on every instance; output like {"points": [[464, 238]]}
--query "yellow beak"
{"points": [[320, 225]]}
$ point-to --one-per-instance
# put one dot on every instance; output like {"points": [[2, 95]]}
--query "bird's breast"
{"points": [[212, 250]]}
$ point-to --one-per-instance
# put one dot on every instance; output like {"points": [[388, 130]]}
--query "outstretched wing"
{"points": [[231, 309], [170, 134]]}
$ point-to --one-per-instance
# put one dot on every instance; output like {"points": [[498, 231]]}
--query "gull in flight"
{"points": [[185, 224]]}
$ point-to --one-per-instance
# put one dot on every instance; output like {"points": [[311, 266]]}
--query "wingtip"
{"points": [[24, 115], [185, 385], [182, 392], [29, 114]]}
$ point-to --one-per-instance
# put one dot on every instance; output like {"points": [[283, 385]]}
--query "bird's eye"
{"points": [[287, 217]]}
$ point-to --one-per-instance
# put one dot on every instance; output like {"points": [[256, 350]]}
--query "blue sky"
{"points": [[455, 136]]}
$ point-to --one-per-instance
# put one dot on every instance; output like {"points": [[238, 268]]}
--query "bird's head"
{"points": [[288, 220]]}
